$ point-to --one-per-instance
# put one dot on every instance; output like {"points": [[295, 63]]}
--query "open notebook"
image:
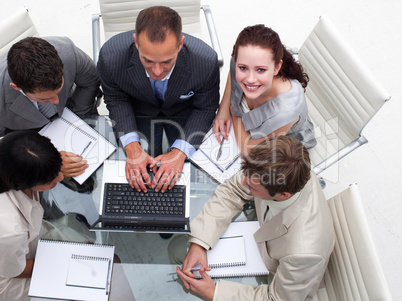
{"points": [[70, 133], [206, 157], [231, 256], [72, 271]]}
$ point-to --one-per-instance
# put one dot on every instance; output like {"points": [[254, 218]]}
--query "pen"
{"points": [[192, 270], [220, 150], [108, 277], [86, 147]]}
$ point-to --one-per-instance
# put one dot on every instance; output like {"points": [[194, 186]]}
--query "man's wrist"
{"points": [[181, 155], [132, 148]]}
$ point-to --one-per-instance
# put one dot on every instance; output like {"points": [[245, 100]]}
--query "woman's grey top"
{"points": [[275, 113]]}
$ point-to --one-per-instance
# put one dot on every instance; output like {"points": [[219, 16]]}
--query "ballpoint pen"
{"points": [[108, 277], [220, 150], [85, 148]]}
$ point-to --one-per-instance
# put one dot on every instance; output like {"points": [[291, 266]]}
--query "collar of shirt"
{"points": [[35, 103], [167, 75], [244, 106], [276, 207]]}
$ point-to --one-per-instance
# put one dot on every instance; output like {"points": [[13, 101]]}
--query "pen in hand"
{"points": [[220, 150]]}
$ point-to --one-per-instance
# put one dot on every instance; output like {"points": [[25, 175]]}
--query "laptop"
{"points": [[122, 208]]}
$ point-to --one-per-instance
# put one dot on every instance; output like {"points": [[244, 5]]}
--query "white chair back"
{"points": [[342, 94], [354, 271], [16, 27], [119, 16]]}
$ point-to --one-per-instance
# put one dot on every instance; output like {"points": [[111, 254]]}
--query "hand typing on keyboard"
{"points": [[136, 167], [171, 166], [166, 176]]}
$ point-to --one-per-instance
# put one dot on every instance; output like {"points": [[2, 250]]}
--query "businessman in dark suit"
{"points": [[157, 78]]}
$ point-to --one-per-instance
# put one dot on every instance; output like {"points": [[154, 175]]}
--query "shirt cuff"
{"points": [[216, 292], [184, 146], [198, 242], [128, 138]]}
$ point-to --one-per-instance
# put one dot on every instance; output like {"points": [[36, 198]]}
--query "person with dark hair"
{"points": [[296, 234], [264, 94], [157, 78], [39, 78], [29, 164]]}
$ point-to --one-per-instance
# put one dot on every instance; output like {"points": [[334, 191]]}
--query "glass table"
{"points": [[144, 256]]}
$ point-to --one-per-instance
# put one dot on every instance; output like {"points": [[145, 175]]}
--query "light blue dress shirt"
{"points": [[159, 88]]}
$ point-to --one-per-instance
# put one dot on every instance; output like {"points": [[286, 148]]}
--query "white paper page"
{"points": [[202, 161], [70, 133], [254, 264], [51, 269], [228, 251], [88, 271], [229, 149]]}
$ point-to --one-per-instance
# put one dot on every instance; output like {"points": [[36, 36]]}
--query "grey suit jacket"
{"points": [[81, 84], [193, 88], [295, 244]]}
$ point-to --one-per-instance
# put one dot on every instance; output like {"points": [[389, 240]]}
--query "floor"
{"points": [[372, 27]]}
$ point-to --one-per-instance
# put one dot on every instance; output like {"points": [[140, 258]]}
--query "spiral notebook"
{"points": [[229, 151], [72, 271], [228, 251], [254, 265], [70, 133], [88, 271]]}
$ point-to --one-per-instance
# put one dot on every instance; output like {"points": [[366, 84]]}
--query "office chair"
{"points": [[354, 271], [342, 94], [18, 26], [119, 16]]}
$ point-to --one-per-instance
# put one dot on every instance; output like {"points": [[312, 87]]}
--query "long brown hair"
{"points": [[264, 37]]}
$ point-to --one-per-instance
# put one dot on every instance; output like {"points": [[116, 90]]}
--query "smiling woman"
{"points": [[264, 93]]}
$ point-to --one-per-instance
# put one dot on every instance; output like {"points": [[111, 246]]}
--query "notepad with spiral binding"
{"points": [[254, 265], [70, 133], [88, 271], [230, 151], [72, 271], [228, 251]]}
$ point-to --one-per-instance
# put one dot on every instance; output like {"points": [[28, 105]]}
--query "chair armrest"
{"points": [[95, 37], [212, 33], [347, 149]]}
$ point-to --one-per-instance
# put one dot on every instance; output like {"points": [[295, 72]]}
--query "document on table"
{"points": [[70, 133], [72, 271], [206, 157], [254, 265]]}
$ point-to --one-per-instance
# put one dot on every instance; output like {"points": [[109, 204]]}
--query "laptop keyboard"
{"points": [[121, 199]]}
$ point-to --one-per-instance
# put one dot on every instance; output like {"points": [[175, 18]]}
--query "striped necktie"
{"points": [[159, 89], [47, 109]]}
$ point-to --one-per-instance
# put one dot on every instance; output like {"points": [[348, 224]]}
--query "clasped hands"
{"points": [[166, 176], [205, 287]]}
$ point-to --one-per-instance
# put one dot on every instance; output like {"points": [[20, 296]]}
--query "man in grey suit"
{"points": [[296, 234], [39, 78], [157, 78]]}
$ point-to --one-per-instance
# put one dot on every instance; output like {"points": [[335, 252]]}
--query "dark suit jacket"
{"points": [[193, 89], [81, 84]]}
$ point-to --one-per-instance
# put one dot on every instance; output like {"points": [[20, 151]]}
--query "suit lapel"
{"points": [[139, 79], [179, 77], [280, 223], [23, 107]]}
